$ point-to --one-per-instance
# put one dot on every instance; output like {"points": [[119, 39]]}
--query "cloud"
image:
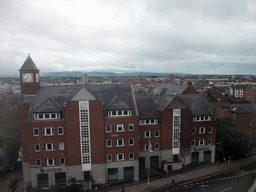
{"points": [[164, 36]]}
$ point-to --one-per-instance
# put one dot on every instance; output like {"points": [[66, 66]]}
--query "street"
{"points": [[232, 181]]}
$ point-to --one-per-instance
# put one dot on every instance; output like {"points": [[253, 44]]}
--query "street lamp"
{"points": [[150, 150]]}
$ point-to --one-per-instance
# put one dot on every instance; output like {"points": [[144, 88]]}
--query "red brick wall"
{"points": [[122, 135], [166, 131], [153, 139], [190, 90], [250, 95]]}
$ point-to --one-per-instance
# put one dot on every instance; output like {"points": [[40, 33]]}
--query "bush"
{"points": [[31, 189], [54, 188], [13, 182], [144, 173]]}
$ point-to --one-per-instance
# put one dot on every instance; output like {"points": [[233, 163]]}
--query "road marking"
{"points": [[197, 183], [205, 185], [226, 189]]}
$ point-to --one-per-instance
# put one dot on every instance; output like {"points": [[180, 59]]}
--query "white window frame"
{"points": [[146, 147], [52, 147], [123, 142], [201, 130], [148, 121], [157, 146], [209, 141], [147, 134], [131, 127], [157, 133], [60, 128], [37, 132], [120, 127], [131, 139], [122, 156], [210, 129], [42, 116], [109, 155], [110, 128], [109, 140], [40, 163], [38, 147], [64, 161], [47, 162], [60, 147], [131, 158], [51, 130], [193, 141], [199, 143], [119, 113]]}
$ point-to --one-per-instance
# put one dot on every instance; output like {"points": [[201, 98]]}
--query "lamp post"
{"points": [[150, 150]]}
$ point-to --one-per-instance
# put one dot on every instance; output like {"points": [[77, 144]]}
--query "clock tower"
{"points": [[29, 77]]}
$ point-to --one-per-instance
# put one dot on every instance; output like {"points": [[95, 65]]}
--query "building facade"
{"points": [[95, 134]]}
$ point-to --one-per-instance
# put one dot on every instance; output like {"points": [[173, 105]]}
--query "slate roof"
{"points": [[29, 65], [252, 87], [197, 104], [241, 108], [55, 97], [148, 105], [238, 86], [168, 89]]}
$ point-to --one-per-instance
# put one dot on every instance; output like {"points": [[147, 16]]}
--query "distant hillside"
{"points": [[102, 74]]}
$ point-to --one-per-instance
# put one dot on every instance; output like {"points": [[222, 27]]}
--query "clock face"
{"points": [[27, 77]]}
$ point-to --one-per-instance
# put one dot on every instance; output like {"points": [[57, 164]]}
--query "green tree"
{"points": [[232, 140], [250, 178]]}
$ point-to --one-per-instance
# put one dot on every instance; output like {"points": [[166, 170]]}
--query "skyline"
{"points": [[185, 36]]}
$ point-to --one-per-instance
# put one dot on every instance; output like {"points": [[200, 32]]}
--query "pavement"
{"points": [[185, 177], [180, 178]]}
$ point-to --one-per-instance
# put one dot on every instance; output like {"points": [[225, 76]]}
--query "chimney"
{"points": [[189, 83]]}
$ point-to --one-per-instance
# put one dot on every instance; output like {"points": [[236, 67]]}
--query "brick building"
{"points": [[94, 134]]}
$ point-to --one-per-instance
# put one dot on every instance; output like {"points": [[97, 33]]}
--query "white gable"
{"points": [[83, 95]]}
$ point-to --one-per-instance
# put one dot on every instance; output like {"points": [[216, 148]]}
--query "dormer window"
{"points": [[202, 118], [119, 113], [46, 116], [148, 121]]}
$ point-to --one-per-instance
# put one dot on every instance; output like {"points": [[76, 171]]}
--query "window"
{"points": [[201, 142], [108, 128], [46, 116], [48, 131], [209, 141], [49, 147], [146, 147], [131, 156], [210, 129], [61, 146], [62, 161], [38, 162], [120, 142], [201, 130], [147, 134], [120, 128], [60, 131], [157, 146], [120, 156], [109, 143], [194, 131], [156, 133], [131, 141], [120, 113], [193, 142], [37, 147], [109, 157], [36, 132], [148, 121], [50, 162], [131, 127], [113, 174]]}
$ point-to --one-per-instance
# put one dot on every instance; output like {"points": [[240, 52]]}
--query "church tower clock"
{"points": [[29, 77]]}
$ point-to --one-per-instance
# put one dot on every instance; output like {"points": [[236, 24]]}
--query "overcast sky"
{"points": [[188, 36]]}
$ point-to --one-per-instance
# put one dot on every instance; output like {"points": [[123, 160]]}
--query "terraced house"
{"points": [[94, 134]]}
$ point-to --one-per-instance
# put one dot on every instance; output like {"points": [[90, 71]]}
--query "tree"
{"points": [[10, 137], [232, 140]]}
